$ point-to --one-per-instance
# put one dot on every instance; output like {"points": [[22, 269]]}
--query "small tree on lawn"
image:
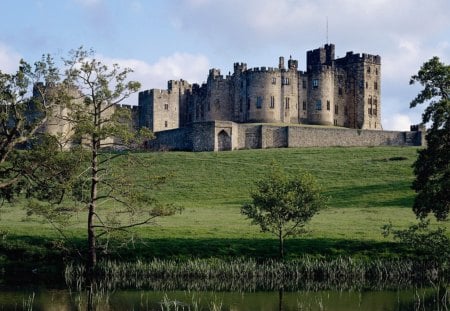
{"points": [[283, 205]]}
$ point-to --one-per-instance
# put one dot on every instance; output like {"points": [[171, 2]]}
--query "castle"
{"points": [[335, 102], [342, 92]]}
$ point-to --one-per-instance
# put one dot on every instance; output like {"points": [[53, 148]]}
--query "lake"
{"points": [[137, 299]]}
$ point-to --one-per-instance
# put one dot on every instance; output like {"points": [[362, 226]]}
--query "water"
{"points": [[368, 300]]}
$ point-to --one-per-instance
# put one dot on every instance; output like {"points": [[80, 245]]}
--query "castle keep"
{"points": [[343, 92]]}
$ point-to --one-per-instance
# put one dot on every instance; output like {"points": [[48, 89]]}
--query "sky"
{"points": [[182, 39]]}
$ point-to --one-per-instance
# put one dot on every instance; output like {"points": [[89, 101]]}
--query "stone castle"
{"points": [[335, 102], [342, 92]]}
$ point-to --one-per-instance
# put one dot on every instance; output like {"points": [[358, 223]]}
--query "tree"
{"points": [[92, 94], [26, 101], [432, 167], [282, 205]]}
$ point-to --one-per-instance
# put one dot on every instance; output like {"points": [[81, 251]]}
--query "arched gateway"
{"points": [[223, 141]]}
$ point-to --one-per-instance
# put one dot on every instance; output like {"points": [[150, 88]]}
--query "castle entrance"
{"points": [[223, 141]]}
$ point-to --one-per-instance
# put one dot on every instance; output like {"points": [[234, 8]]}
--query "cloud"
{"points": [[9, 59], [190, 67], [397, 122]]}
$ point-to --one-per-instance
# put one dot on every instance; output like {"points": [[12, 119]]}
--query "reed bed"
{"points": [[310, 273]]}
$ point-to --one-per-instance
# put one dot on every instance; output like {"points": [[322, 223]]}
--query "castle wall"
{"points": [[176, 139], [249, 137], [203, 136], [226, 135], [274, 136], [327, 137]]}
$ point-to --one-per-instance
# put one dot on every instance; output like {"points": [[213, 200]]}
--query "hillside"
{"points": [[368, 187]]}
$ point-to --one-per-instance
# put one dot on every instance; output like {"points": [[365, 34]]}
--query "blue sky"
{"points": [[173, 39]]}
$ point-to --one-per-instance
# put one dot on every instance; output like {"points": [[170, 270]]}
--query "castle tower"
{"points": [[320, 64]]}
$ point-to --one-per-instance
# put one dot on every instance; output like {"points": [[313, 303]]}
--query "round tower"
{"points": [[264, 101], [321, 95]]}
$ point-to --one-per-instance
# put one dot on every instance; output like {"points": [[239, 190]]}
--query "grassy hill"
{"points": [[368, 187]]}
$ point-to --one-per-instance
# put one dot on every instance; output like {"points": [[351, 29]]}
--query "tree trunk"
{"points": [[281, 245], [92, 253]]}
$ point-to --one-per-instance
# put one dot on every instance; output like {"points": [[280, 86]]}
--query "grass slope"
{"points": [[368, 187]]}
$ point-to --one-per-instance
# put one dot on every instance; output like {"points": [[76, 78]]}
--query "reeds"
{"points": [[248, 275]]}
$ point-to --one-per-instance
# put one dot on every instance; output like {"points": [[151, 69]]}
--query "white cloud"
{"points": [[190, 67], [9, 59], [397, 122]]}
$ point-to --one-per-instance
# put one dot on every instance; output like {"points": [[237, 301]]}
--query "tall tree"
{"points": [[432, 167], [27, 100], [93, 92], [282, 205]]}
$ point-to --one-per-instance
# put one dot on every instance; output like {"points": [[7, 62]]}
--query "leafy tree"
{"points": [[432, 167], [282, 205], [92, 94], [26, 101]]}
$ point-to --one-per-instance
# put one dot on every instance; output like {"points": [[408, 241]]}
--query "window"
{"points": [[328, 105], [248, 103], [285, 81], [272, 102], [319, 105], [340, 91], [286, 101], [259, 102], [375, 108], [335, 122], [274, 80], [367, 85], [304, 84], [166, 123], [376, 71], [315, 83], [304, 105], [241, 104], [368, 69], [375, 85], [336, 109], [166, 106]]}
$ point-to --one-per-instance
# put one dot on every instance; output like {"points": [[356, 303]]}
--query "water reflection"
{"points": [[401, 300]]}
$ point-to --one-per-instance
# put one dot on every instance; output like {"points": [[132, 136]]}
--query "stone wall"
{"points": [[176, 139], [203, 136], [274, 136], [325, 137], [226, 135]]}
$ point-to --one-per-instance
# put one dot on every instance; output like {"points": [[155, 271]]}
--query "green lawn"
{"points": [[368, 187]]}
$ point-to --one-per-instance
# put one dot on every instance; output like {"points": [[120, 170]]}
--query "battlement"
{"points": [[214, 74], [351, 57], [239, 67], [320, 56]]}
